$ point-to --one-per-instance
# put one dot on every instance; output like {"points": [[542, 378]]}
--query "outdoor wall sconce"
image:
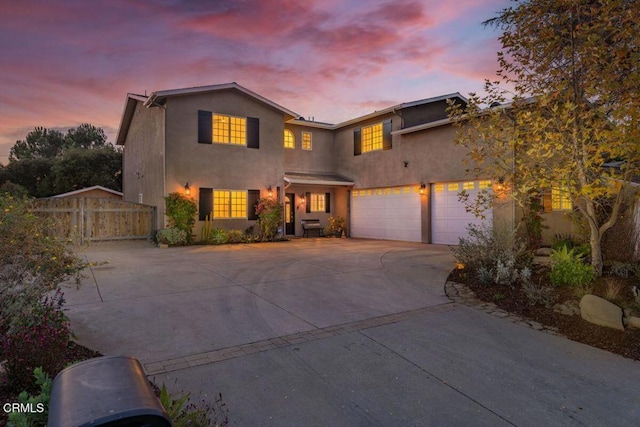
{"points": [[406, 163], [187, 189], [423, 188], [270, 191]]}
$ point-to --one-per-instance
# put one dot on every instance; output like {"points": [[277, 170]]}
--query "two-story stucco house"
{"points": [[393, 174]]}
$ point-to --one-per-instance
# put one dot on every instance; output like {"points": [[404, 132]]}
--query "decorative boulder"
{"points": [[601, 312], [634, 322]]}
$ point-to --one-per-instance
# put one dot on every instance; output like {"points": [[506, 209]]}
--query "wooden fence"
{"points": [[93, 219]]}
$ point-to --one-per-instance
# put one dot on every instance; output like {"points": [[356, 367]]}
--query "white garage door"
{"points": [[449, 218], [386, 213]]}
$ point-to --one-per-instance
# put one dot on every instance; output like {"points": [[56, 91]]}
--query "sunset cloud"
{"points": [[66, 62]]}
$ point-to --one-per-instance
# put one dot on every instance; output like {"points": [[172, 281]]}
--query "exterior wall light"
{"points": [[270, 192], [187, 189], [423, 188]]}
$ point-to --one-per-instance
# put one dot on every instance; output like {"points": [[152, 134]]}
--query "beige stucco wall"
{"points": [[320, 159], [144, 158], [222, 166]]}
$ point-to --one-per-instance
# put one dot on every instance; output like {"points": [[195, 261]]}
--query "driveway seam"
{"points": [[205, 358]]}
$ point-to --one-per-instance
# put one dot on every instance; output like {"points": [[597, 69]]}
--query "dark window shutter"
{"points": [[327, 202], [253, 132], [386, 135], [205, 134], [205, 203], [308, 202], [252, 201], [357, 142]]}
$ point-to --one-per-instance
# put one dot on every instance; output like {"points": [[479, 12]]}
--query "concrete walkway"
{"points": [[338, 332]]}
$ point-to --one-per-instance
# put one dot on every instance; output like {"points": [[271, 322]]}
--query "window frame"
{"points": [[303, 142], [230, 134], [288, 134], [372, 139], [224, 204]]}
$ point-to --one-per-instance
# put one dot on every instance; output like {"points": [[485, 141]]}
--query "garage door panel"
{"points": [[449, 217], [387, 216]]}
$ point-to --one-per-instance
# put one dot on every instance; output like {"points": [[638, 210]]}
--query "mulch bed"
{"points": [[625, 343]]}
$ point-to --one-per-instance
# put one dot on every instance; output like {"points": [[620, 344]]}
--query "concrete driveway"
{"points": [[338, 332]]}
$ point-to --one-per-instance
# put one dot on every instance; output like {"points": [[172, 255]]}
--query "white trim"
{"points": [[84, 190]]}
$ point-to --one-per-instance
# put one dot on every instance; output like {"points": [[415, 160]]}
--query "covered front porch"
{"points": [[314, 196]]}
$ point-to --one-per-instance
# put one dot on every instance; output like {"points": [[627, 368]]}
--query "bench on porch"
{"points": [[311, 224]]}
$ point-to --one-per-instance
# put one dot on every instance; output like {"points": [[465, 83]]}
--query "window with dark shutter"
{"points": [[327, 202], [386, 135], [252, 201], [253, 132], [205, 203], [357, 142], [205, 135], [307, 197]]}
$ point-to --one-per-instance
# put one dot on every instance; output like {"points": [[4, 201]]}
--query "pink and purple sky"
{"points": [[66, 62]]}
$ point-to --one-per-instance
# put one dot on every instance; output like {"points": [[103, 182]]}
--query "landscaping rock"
{"points": [[543, 251], [601, 312], [634, 322], [568, 308]]}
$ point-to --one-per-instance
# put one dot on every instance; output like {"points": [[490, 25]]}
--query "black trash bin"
{"points": [[105, 391]]}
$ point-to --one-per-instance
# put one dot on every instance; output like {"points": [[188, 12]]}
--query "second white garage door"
{"points": [[386, 213], [449, 218]]}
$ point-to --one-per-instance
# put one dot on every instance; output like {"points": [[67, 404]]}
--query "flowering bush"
{"points": [[36, 339], [269, 213], [181, 211], [32, 262]]}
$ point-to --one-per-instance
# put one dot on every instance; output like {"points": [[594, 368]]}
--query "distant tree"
{"points": [[575, 67], [40, 143], [33, 174], [85, 136], [47, 162], [81, 167]]}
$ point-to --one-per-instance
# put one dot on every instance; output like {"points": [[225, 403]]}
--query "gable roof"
{"points": [[378, 113], [158, 98], [87, 189]]}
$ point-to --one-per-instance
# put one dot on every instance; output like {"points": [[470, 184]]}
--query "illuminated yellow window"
{"points": [[369, 192], [470, 185], [229, 204], [406, 189], [363, 193], [289, 140], [484, 184], [229, 130], [317, 202], [379, 191], [372, 138], [397, 190], [453, 186], [387, 191], [560, 199], [354, 194], [438, 188], [306, 140]]}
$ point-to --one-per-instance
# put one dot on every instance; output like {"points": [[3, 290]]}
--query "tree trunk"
{"points": [[595, 241]]}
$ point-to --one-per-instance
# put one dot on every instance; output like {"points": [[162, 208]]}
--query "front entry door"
{"points": [[289, 214]]}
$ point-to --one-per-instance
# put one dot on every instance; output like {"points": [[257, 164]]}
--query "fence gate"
{"points": [[95, 219]]}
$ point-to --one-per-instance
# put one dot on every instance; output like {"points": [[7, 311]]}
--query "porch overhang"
{"points": [[317, 179]]}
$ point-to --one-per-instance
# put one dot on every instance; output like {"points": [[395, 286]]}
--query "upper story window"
{"points": [[306, 141], [226, 129], [372, 138], [560, 199], [289, 140], [229, 130], [375, 137]]}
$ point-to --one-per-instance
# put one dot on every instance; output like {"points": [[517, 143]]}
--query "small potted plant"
{"points": [[337, 225]]}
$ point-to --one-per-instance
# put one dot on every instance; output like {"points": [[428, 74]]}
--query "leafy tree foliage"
{"points": [[574, 65], [47, 162]]}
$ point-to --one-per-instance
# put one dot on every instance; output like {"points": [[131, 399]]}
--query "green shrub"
{"points": [[181, 211], [269, 213], [539, 295], [568, 268], [172, 236], [218, 236], [571, 242], [39, 402], [37, 339], [493, 254], [182, 412], [32, 263], [236, 236]]}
